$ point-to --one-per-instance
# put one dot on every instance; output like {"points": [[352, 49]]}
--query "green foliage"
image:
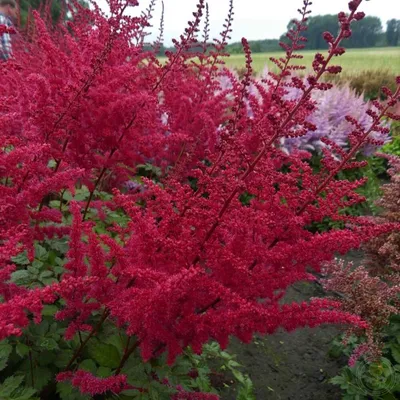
{"points": [[43, 352], [12, 389], [256, 46], [393, 32], [369, 82], [378, 379], [55, 8]]}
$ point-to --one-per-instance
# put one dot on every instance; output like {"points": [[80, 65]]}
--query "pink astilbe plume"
{"points": [[207, 246]]}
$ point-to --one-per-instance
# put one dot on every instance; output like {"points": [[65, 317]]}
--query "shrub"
{"points": [[372, 292], [206, 241], [369, 83]]}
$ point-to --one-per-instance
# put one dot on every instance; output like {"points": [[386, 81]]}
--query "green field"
{"points": [[355, 60]]}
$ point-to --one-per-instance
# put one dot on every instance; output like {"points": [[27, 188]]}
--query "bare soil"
{"points": [[293, 366]]}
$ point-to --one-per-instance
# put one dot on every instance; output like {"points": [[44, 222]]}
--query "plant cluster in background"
{"points": [[373, 293]]}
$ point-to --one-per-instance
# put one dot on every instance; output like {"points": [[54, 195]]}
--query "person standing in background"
{"points": [[8, 16]]}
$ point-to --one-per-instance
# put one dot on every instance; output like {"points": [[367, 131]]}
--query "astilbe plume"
{"points": [[333, 106], [85, 104]]}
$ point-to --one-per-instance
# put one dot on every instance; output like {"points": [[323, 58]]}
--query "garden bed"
{"points": [[296, 365]]}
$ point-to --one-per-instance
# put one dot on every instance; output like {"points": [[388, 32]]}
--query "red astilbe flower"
{"points": [[208, 249], [89, 384]]}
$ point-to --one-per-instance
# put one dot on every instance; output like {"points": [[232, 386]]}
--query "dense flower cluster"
{"points": [[209, 249], [333, 107]]}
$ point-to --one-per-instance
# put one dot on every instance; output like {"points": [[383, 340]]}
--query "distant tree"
{"points": [[393, 32], [257, 46], [366, 33], [57, 8]]}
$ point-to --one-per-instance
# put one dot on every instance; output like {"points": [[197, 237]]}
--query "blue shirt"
{"points": [[5, 42]]}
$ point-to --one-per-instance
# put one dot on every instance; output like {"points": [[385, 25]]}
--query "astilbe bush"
{"points": [[372, 291], [208, 246], [373, 298], [383, 252]]}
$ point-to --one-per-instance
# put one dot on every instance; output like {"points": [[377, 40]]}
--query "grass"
{"points": [[354, 61]]}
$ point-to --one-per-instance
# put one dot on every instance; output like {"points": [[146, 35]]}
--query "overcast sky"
{"points": [[255, 19]]}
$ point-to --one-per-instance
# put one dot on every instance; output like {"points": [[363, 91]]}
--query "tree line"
{"points": [[366, 33]]}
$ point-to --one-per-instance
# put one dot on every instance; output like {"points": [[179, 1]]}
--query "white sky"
{"points": [[255, 19]]}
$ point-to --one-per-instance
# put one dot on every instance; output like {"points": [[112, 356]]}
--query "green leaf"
{"points": [[37, 264], [22, 349], [9, 385], [33, 271], [395, 349], [106, 355], [5, 351], [40, 252], [54, 203], [63, 358], [46, 274], [24, 394], [104, 372], [49, 281], [238, 376], [246, 391], [88, 365], [67, 392], [49, 310], [41, 377], [48, 344], [21, 277], [21, 259]]}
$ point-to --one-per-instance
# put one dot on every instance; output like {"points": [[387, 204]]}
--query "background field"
{"points": [[355, 60]]}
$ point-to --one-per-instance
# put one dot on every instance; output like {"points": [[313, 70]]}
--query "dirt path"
{"points": [[293, 366]]}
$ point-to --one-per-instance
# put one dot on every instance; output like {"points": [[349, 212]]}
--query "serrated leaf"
{"points": [[46, 274], [21, 277], [40, 252], [5, 351], [41, 377], [104, 354], [60, 245], [24, 394], [21, 259], [33, 271], [59, 261], [48, 344], [10, 384], [49, 281], [22, 349], [67, 392], [37, 264], [54, 203]]}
